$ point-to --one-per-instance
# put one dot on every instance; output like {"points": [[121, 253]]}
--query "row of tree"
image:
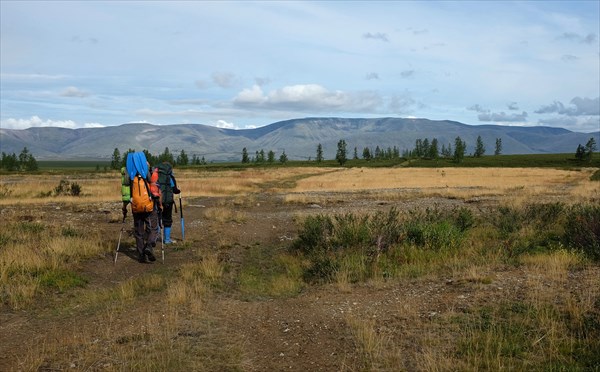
{"points": [[423, 149], [259, 157], [24, 162], [117, 160]]}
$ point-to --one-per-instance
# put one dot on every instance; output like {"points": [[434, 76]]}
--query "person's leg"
{"points": [[138, 230], [167, 219], [151, 226]]}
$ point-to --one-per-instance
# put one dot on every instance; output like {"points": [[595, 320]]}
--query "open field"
{"points": [[308, 268]]}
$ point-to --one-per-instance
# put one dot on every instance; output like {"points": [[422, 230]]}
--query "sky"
{"points": [[247, 64]]}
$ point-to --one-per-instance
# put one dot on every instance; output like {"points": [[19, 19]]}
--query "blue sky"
{"points": [[244, 64]]}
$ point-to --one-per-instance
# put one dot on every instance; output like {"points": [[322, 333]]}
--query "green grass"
{"points": [[564, 161]]}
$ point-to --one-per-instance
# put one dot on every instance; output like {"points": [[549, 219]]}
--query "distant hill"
{"points": [[298, 137]]}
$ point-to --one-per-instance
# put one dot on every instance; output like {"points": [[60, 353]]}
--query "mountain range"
{"points": [[298, 137]]}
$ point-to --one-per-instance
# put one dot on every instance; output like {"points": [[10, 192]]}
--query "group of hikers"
{"points": [[150, 191]]}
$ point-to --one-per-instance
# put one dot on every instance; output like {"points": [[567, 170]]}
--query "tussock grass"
{"points": [[35, 256], [224, 214]]}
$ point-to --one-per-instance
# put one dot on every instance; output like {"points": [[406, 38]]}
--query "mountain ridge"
{"points": [[298, 137]]}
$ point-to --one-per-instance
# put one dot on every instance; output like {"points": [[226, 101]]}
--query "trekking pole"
{"points": [[182, 224], [119, 243], [162, 243]]}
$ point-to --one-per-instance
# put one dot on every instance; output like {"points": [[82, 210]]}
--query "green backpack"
{"points": [[165, 175]]}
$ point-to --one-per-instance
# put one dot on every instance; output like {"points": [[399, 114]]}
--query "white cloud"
{"points": [[35, 121], [253, 95], [308, 98], [225, 125]]}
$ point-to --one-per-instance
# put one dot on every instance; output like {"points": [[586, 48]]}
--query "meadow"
{"points": [[308, 268]]}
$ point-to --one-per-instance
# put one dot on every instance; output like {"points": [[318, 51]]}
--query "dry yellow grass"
{"points": [[463, 183], [458, 182]]}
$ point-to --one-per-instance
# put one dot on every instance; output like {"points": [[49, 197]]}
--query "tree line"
{"points": [[24, 162], [424, 149], [117, 160]]}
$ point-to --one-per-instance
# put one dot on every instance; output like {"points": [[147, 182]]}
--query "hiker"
{"points": [[125, 191], [168, 188], [145, 220], [156, 196]]}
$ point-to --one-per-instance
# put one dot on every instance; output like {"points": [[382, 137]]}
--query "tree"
{"points": [[590, 147], [115, 162], [425, 149], [341, 154], [283, 158], [355, 156], [165, 156], [479, 148], [366, 154], [434, 152], [319, 157], [26, 161], [580, 152], [151, 158], [245, 158], [460, 147], [498, 150], [10, 162], [182, 159], [271, 157]]}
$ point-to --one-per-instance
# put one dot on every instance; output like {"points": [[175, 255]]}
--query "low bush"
{"points": [[582, 230], [328, 242]]}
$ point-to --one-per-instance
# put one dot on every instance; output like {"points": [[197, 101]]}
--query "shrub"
{"points": [[314, 234], [357, 244], [67, 188], [582, 230]]}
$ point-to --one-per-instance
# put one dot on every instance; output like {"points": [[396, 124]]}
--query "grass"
{"points": [[528, 242]]}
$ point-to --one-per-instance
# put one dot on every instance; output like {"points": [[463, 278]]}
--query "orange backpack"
{"points": [[155, 187], [141, 201]]}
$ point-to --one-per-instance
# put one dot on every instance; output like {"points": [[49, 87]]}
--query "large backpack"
{"points": [[141, 200], [165, 176]]}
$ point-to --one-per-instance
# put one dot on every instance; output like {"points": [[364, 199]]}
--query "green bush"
{"points": [[322, 269], [350, 231], [330, 242], [67, 188], [582, 230], [314, 235]]}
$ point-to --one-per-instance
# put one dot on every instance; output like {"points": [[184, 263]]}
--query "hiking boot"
{"points": [[148, 252], [141, 258]]}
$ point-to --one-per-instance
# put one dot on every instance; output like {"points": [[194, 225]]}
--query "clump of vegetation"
{"points": [[5, 191], [64, 188], [364, 246], [582, 229], [24, 162]]}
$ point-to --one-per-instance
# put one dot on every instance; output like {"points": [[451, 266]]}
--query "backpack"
{"points": [[154, 186], [141, 200], [165, 176]]}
